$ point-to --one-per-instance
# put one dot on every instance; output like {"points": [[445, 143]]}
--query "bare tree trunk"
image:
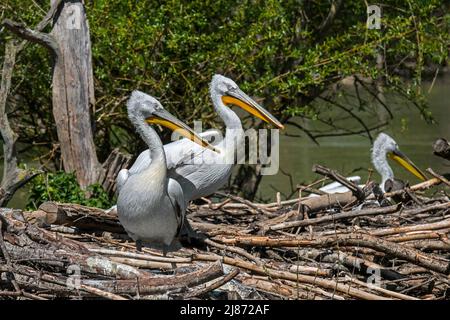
{"points": [[13, 176], [73, 92]]}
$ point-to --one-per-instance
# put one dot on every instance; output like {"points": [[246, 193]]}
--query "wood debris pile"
{"points": [[343, 246]]}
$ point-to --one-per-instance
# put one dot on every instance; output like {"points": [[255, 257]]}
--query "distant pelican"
{"points": [[384, 147], [151, 206]]}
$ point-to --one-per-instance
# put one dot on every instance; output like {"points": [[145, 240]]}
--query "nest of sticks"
{"points": [[355, 245]]}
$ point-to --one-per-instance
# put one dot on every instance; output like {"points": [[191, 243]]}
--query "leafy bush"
{"points": [[274, 49], [63, 187]]}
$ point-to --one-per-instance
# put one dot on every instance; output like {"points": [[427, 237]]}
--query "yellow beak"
{"points": [[167, 120], [240, 99], [406, 163]]}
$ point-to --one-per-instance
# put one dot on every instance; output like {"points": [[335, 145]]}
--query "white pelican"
{"points": [[383, 147], [203, 176], [151, 205]]}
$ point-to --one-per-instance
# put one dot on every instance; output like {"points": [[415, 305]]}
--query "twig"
{"points": [[334, 217], [354, 239], [101, 293], [248, 203], [388, 293], [214, 285], [293, 277], [438, 176], [357, 191]]}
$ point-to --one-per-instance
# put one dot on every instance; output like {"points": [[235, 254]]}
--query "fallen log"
{"points": [[84, 218], [159, 284], [441, 148], [313, 204]]}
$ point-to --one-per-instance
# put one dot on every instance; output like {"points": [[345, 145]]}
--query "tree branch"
{"points": [[32, 35], [326, 24], [13, 177]]}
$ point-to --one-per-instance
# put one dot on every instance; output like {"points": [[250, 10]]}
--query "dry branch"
{"points": [[74, 215], [441, 148], [14, 177], [357, 191], [214, 285], [334, 217], [438, 176]]}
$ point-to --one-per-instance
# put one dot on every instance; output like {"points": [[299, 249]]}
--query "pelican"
{"points": [[384, 147], [150, 205], [200, 172]]}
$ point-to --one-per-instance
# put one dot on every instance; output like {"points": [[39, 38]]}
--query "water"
{"points": [[30, 158], [345, 154]]}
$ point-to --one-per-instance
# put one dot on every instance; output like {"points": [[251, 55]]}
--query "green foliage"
{"points": [[31, 78], [270, 47], [63, 187], [273, 49]]}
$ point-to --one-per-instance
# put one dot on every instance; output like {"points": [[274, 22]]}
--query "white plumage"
{"points": [[150, 205], [200, 172]]}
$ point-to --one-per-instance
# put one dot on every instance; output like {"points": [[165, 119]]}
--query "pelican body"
{"points": [[150, 205], [200, 172]]}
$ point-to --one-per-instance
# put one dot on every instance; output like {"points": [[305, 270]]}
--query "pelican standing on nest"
{"points": [[150, 205], [384, 147], [201, 172]]}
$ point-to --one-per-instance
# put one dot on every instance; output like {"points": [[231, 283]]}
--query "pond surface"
{"points": [[346, 154]]}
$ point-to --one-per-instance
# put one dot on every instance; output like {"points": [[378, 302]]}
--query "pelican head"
{"points": [[383, 147], [230, 93], [142, 106]]}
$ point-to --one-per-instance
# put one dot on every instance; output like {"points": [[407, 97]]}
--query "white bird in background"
{"points": [[150, 205], [203, 176], [383, 147]]}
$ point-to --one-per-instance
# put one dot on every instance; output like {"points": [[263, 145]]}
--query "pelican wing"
{"points": [[178, 153], [184, 152], [122, 177], [176, 196], [336, 187], [182, 160]]}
